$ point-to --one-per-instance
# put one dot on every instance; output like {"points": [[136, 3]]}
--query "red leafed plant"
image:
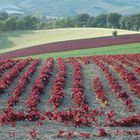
{"points": [[33, 134], [39, 85], [99, 91], [59, 83], [77, 84]]}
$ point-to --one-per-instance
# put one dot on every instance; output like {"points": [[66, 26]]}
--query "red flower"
{"points": [[102, 132], [33, 134]]}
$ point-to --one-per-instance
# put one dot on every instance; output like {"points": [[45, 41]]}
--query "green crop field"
{"points": [[22, 39]]}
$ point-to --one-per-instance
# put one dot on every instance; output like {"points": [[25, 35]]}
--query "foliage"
{"points": [[114, 34], [30, 22], [112, 20]]}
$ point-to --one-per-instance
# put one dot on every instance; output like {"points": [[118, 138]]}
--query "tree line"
{"points": [[112, 20], [9, 23]]}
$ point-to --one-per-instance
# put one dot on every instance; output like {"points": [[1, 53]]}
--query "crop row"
{"points": [[81, 114], [8, 78], [57, 93]]}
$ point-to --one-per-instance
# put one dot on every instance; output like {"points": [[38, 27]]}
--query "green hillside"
{"points": [[22, 39]]}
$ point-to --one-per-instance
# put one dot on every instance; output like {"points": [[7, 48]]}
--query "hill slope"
{"points": [[72, 7], [23, 39]]}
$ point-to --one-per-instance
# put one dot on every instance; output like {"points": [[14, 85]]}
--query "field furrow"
{"points": [[95, 97]]}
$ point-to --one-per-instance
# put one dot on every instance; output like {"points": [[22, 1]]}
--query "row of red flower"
{"points": [[133, 120], [6, 80], [77, 84], [83, 116], [57, 93], [102, 132], [114, 84], [40, 84], [118, 59], [99, 91], [5, 61], [114, 60], [137, 70], [78, 117], [22, 83], [7, 65], [126, 76], [127, 59], [129, 78]]}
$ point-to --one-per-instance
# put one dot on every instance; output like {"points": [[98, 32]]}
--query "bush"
{"points": [[114, 33]]}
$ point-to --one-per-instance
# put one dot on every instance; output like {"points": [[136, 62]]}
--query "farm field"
{"points": [[73, 45], [14, 40], [116, 49], [92, 97]]}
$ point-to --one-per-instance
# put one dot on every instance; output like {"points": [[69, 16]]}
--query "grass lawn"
{"points": [[21, 39], [118, 49]]}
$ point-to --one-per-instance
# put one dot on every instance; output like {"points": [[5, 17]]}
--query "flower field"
{"points": [[94, 97], [72, 45]]}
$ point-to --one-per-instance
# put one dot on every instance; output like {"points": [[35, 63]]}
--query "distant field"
{"points": [[22, 39], [117, 49]]}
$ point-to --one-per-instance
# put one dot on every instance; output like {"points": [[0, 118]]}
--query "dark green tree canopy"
{"points": [[113, 20], [29, 22], [3, 16]]}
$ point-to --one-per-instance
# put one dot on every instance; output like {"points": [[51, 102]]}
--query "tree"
{"points": [[101, 21], [10, 24], [113, 20], [123, 22], [3, 16], [70, 22], [1, 26], [51, 24], [41, 25], [135, 20], [20, 24], [114, 33], [82, 19], [30, 22], [91, 22]]}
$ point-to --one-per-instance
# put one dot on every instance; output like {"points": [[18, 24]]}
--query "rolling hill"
{"points": [[10, 41], [71, 7]]}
